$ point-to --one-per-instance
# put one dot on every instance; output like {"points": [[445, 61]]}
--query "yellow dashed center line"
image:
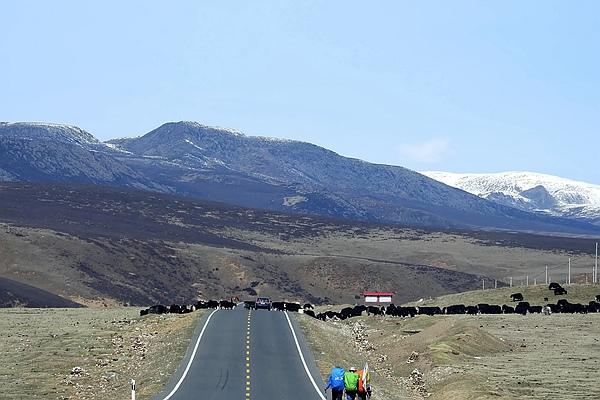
{"points": [[247, 397]]}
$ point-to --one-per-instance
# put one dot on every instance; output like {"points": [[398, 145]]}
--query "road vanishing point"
{"points": [[246, 355]]}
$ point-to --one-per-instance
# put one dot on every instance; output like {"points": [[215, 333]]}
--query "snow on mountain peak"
{"points": [[47, 131], [529, 191], [197, 125]]}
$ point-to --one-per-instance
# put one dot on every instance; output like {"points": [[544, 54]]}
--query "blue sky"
{"points": [[462, 86]]}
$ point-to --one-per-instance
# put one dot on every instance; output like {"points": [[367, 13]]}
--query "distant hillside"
{"points": [[18, 294], [540, 193], [93, 242], [89, 242]]}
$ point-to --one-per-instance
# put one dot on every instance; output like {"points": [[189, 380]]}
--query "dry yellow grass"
{"points": [[40, 347], [577, 293]]}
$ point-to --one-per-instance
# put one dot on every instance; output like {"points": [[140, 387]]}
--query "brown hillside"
{"points": [[91, 243]]}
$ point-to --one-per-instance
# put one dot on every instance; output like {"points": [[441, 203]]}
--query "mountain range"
{"points": [[528, 191], [191, 159]]}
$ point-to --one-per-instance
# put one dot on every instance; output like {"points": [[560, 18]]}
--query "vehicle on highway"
{"points": [[263, 302]]}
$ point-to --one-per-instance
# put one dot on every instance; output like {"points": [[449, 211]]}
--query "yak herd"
{"points": [[522, 307], [186, 308]]}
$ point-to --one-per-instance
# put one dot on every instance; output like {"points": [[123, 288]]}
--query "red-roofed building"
{"points": [[378, 297]]}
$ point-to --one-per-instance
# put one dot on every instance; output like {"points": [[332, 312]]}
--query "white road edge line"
{"points": [[312, 380], [187, 368]]}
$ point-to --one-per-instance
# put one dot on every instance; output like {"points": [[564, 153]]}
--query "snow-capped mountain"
{"points": [[61, 153], [192, 159], [226, 165], [530, 192]]}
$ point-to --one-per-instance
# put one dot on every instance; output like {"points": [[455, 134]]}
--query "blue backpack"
{"points": [[336, 379]]}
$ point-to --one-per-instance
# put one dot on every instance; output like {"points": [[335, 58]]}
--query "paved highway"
{"points": [[248, 355]]}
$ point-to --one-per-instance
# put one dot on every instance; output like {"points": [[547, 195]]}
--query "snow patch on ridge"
{"points": [[293, 200], [529, 191]]}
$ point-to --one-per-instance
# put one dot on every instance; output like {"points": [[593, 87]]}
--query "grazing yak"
{"points": [[508, 309], [155, 309], [372, 310], [292, 307], [472, 310], [489, 309], [554, 286], [226, 305], [431, 311], [560, 291], [158, 309], [516, 297], [594, 306], [350, 312], [566, 307], [329, 315], [398, 311], [212, 304], [455, 309], [535, 309], [522, 308], [554, 308]]}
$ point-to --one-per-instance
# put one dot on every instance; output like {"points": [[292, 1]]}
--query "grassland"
{"points": [[469, 357], [40, 348], [535, 295]]}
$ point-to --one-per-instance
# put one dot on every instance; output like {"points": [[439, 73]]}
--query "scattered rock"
{"points": [[417, 381], [414, 356]]}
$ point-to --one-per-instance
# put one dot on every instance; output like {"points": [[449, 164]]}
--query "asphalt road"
{"points": [[249, 355]]}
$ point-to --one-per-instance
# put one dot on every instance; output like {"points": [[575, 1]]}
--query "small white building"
{"points": [[378, 297]]}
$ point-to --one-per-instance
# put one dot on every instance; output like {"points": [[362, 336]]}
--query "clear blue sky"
{"points": [[462, 86]]}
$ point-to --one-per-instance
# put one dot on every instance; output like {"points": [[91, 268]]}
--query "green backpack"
{"points": [[351, 381]]}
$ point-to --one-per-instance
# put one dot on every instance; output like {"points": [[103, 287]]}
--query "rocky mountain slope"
{"points": [[223, 165], [284, 175], [61, 153], [546, 194]]}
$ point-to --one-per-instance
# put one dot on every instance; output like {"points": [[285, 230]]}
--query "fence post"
{"points": [[133, 389]]}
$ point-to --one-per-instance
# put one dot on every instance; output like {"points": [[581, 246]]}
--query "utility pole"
{"points": [[569, 276], [546, 274], [527, 280], [483, 281]]}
